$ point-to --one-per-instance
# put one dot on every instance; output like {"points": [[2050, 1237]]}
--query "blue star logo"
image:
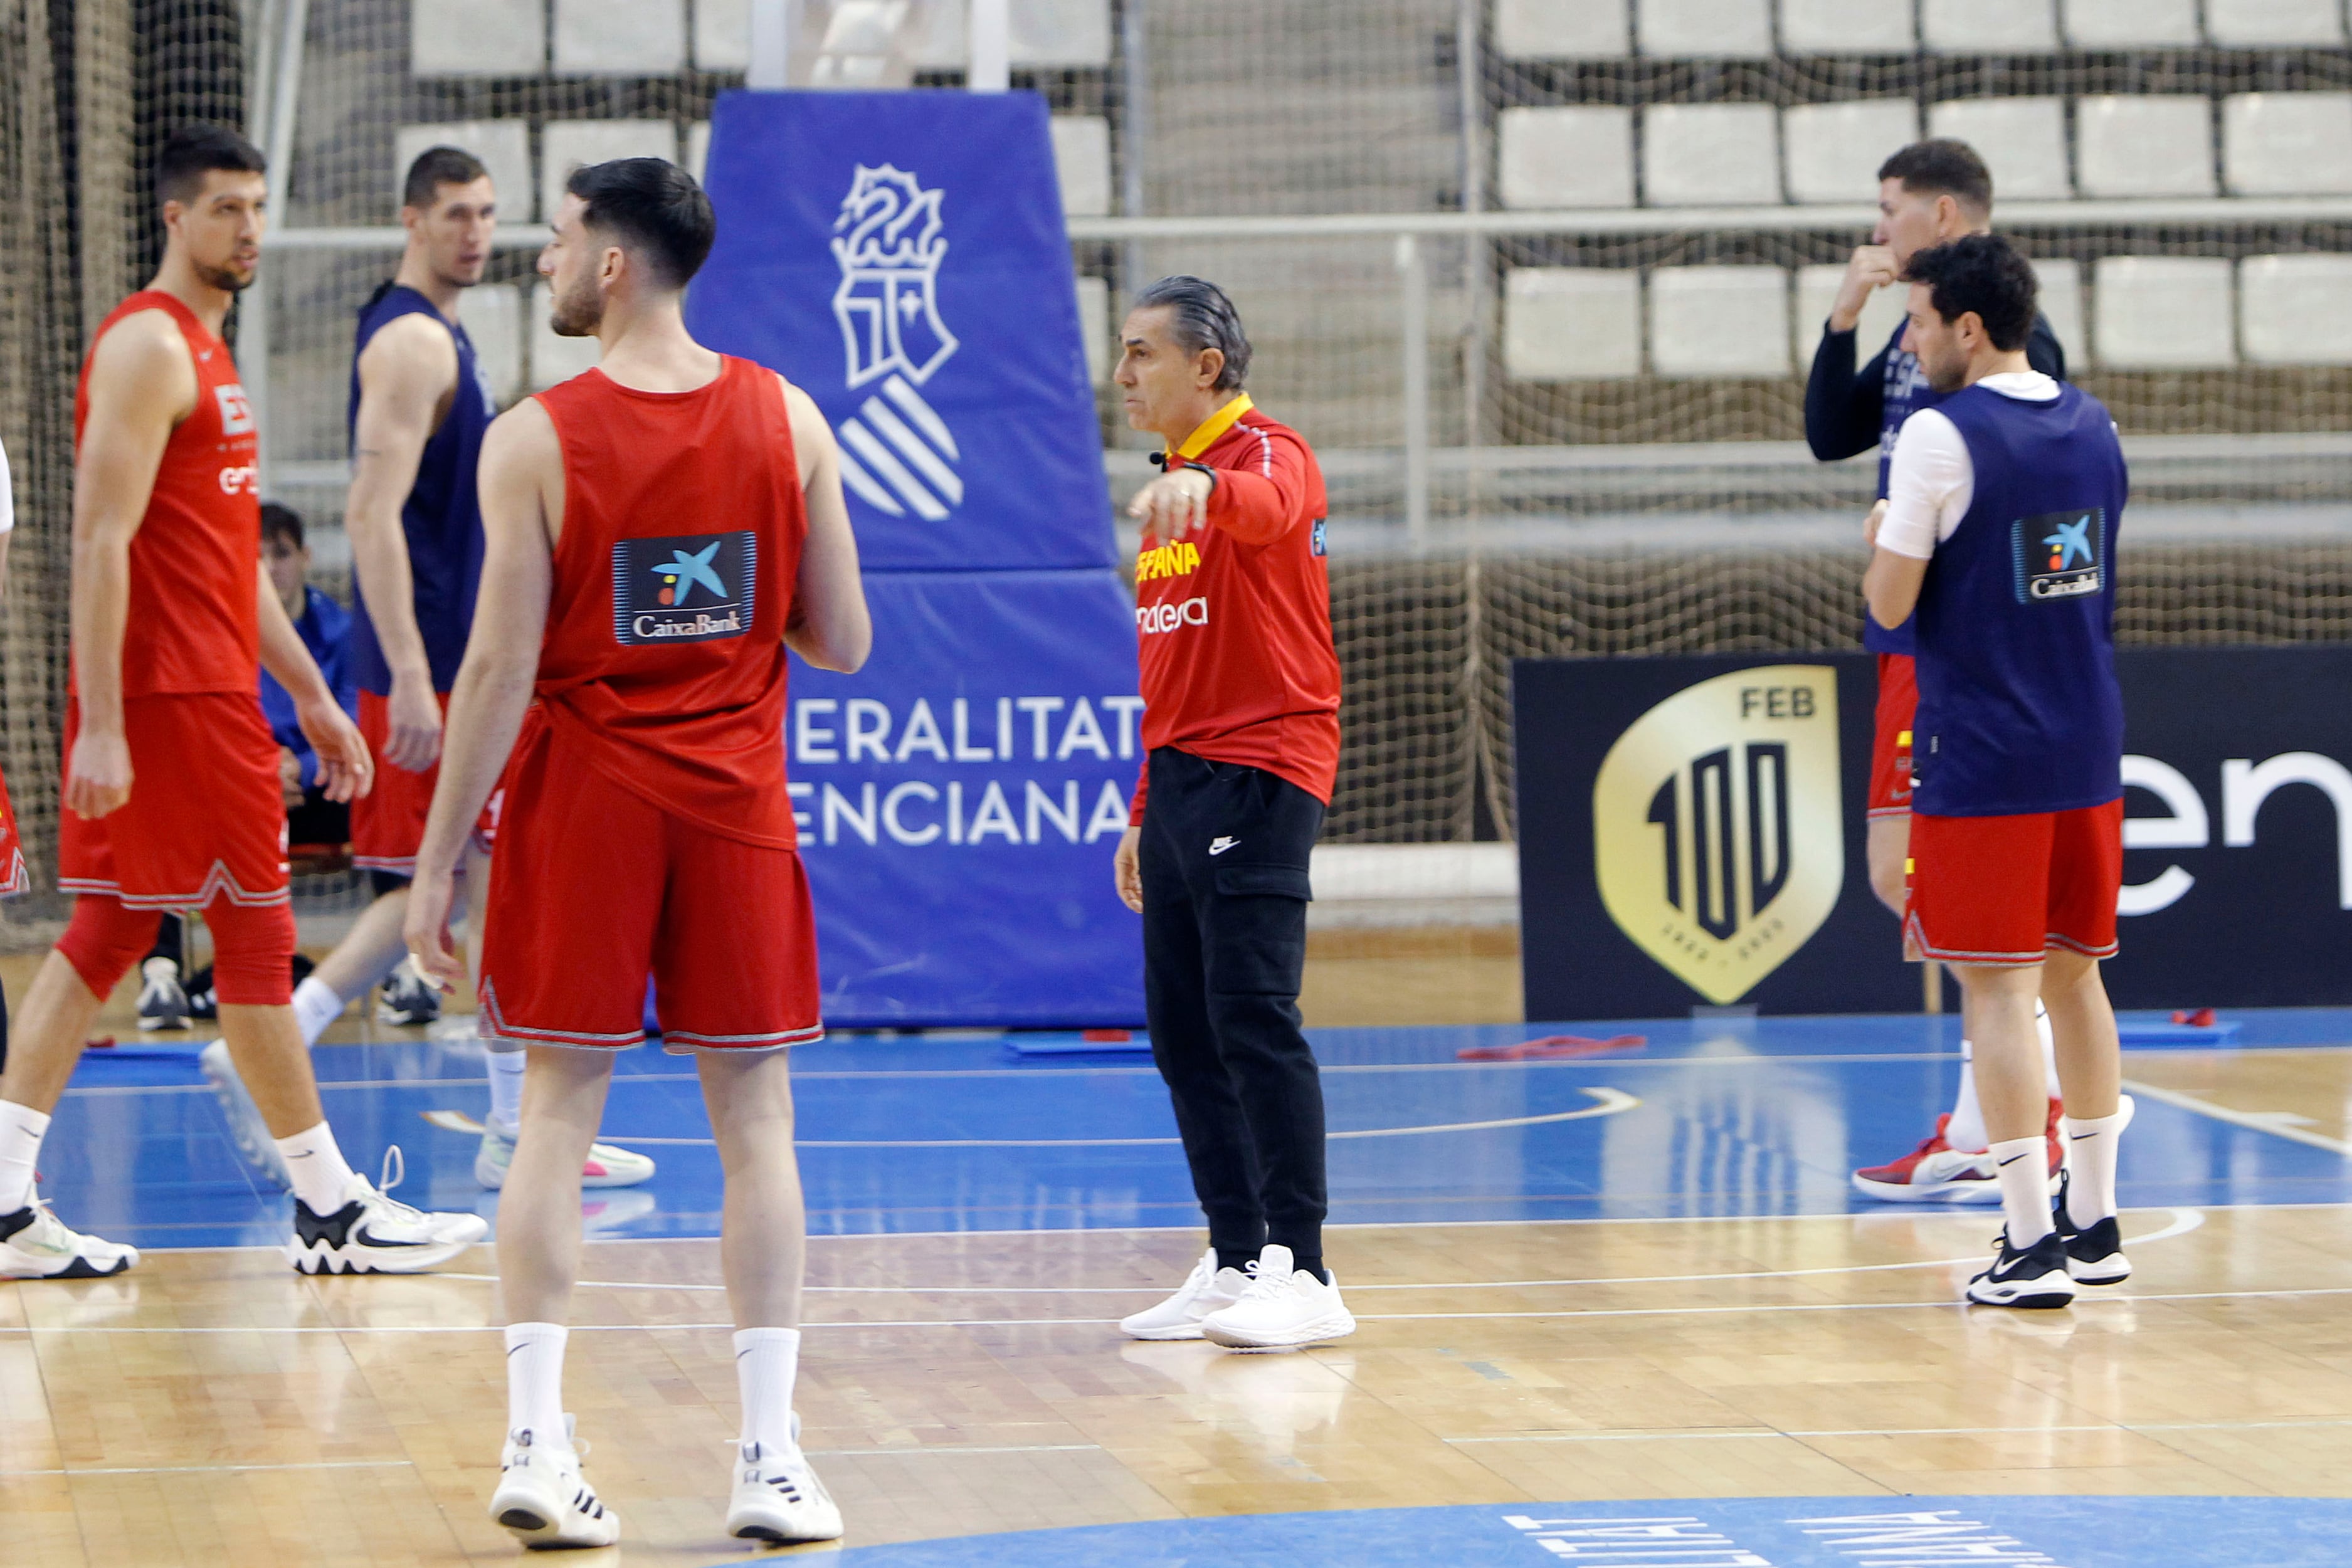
{"points": [[682, 572], [2070, 540]]}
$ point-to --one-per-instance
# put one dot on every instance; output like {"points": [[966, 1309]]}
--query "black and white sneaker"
{"points": [[544, 1500], [407, 997], [2094, 1252], [163, 1001], [2035, 1278], [778, 1498], [374, 1234], [36, 1244]]}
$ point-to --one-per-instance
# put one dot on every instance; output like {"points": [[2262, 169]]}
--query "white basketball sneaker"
{"points": [[1282, 1309], [543, 1498], [777, 1497], [608, 1165], [375, 1234], [36, 1244], [1208, 1288], [246, 1130]]}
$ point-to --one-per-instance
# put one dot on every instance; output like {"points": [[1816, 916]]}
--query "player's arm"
{"points": [[1843, 407], [1929, 481], [1256, 503], [521, 494], [830, 626], [345, 769], [405, 373], [141, 384]]}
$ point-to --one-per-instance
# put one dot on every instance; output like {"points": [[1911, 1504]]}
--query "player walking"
{"points": [[659, 530], [14, 878], [172, 787], [420, 403], [1999, 530], [1928, 193]]}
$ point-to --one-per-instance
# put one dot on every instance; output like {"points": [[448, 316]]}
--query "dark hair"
{"points": [[1943, 167], [435, 167], [1983, 273], [652, 206], [1201, 316], [193, 150], [280, 522]]}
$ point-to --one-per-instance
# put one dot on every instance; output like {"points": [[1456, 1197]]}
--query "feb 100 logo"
{"points": [[690, 588], [1718, 842]]}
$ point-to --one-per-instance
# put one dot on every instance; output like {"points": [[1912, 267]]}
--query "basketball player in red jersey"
{"points": [[658, 531], [13, 879], [171, 794]]}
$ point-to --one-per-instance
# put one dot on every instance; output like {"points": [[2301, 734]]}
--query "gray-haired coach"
{"points": [[1241, 736]]}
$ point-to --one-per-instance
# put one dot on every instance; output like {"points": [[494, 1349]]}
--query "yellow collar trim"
{"points": [[1215, 426]]}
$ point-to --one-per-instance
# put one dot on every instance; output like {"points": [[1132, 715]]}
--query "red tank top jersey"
{"points": [[1233, 620], [664, 664], [194, 618]]}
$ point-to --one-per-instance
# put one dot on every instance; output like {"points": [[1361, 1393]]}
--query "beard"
{"points": [[224, 278], [578, 312]]}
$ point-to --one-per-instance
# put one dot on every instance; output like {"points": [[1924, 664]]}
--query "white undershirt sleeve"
{"points": [[7, 496], [1929, 484]]}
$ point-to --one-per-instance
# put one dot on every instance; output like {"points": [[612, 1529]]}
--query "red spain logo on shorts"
{"points": [[690, 588]]}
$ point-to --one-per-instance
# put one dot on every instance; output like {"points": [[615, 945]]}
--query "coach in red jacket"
{"points": [[1241, 736]]}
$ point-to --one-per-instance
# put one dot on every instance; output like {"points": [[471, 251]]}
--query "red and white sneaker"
{"points": [[1936, 1172]]}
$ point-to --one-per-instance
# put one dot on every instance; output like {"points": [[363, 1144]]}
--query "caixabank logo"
{"points": [[692, 588], [1719, 836]]}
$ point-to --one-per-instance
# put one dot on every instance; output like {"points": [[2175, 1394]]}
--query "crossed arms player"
{"points": [[1998, 531], [1928, 193], [658, 531], [172, 791]]}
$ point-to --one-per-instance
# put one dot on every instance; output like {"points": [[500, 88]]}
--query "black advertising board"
{"points": [[1691, 832]]}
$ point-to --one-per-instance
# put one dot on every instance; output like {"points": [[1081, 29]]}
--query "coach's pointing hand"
{"points": [[98, 775], [1172, 503], [345, 769]]}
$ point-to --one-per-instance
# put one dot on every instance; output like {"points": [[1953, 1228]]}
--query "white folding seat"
{"points": [[1573, 156], [477, 38], [2132, 24], [566, 145], [722, 34], [1703, 29], [1710, 154], [502, 145], [1571, 323], [2061, 299], [1095, 328], [2295, 309], [698, 151], [1817, 291], [1045, 34], [2163, 312], [1834, 150], [1561, 29], [2267, 24], [554, 359], [491, 314], [1720, 321], [1082, 163], [2022, 139], [620, 37], [1990, 26], [1845, 28], [2287, 143], [2144, 145]]}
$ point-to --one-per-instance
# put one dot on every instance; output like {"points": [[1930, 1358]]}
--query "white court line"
{"points": [[2254, 1120], [1672, 1437], [209, 1470]]}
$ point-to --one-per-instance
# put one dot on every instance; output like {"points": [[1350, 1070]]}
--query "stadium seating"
{"points": [[477, 38], [1046, 34], [566, 145], [2062, 301], [492, 315], [1579, 156], [1082, 160], [1562, 29], [1096, 327], [1571, 323], [697, 149], [1710, 29], [2023, 139], [2131, 24], [1710, 322], [2163, 313], [619, 38], [2295, 309], [1834, 150], [1710, 154], [2287, 143], [2270, 24], [2144, 145], [722, 34], [1989, 26], [502, 145], [1847, 27]]}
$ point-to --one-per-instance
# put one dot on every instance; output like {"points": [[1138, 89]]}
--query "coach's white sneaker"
{"points": [[36, 1244], [543, 1498], [375, 1234], [1208, 1288], [777, 1497], [1282, 1309]]}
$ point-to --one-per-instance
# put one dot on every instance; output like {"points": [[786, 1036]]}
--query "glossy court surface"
{"points": [[1635, 1277]]}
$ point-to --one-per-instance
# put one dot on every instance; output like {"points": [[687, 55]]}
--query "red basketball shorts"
{"points": [[206, 816], [388, 821], [593, 887], [14, 878], [1890, 744], [1998, 891]]}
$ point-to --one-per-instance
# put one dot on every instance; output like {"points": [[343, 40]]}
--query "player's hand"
{"points": [[98, 775], [1127, 869], [1872, 268], [1870, 524], [345, 769], [289, 778], [1170, 506], [414, 716], [426, 930]]}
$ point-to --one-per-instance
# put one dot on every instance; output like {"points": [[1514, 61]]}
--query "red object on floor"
{"points": [[1549, 1046], [1107, 1036], [101, 1042], [2195, 1018]]}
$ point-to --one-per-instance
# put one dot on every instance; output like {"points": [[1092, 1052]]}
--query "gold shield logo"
{"points": [[1718, 834]]}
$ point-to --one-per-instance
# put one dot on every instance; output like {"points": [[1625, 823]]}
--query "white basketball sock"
{"points": [[316, 1167], [766, 1362], [506, 1089], [2048, 1049], [1966, 1130], [2023, 1166], [21, 1131], [2091, 1189], [535, 1382], [315, 1007]]}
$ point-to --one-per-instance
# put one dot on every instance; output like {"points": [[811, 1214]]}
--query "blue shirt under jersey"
{"points": [[324, 627]]}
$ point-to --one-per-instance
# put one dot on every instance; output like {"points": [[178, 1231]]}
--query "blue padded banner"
{"points": [[901, 255], [959, 800]]}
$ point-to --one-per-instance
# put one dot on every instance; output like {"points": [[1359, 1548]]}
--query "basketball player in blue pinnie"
{"points": [[1999, 530]]}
